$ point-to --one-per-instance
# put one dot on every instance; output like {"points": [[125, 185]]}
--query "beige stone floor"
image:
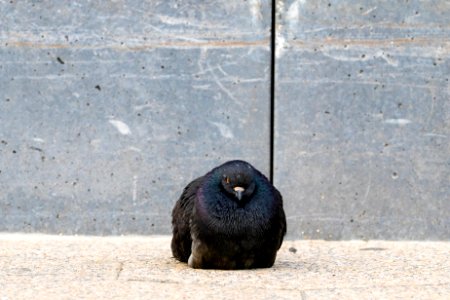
{"points": [[137, 267]]}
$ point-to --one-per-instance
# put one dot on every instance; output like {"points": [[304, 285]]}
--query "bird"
{"points": [[230, 218]]}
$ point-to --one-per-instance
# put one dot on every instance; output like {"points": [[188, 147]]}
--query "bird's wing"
{"points": [[181, 216], [281, 217]]}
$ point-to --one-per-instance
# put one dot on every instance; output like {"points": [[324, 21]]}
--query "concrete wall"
{"points": [[363, 118], [108, 108]]}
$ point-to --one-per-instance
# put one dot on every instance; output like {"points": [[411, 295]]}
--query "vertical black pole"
{"points": [[272, 89]]}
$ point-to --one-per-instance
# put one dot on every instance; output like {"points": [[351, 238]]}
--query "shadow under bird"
{"points": [[230, 218]]}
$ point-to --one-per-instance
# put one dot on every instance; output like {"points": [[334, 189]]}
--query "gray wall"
{"points": [[363, 118], [108, 109]]}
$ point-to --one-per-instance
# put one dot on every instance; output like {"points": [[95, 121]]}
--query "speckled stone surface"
{"points": [[108, 109], [362, 126], [137, 267]]}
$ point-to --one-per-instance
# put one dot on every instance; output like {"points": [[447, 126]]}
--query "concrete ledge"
{"points": [[138, 267]]}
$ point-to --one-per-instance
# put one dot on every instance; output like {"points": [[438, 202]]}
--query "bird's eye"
{"points": [[227, 180]]}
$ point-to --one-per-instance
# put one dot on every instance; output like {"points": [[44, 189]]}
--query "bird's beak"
{"points": [[238, 192]]}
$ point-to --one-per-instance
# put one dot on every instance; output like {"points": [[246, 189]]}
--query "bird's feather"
{"points": [[181, 218]]}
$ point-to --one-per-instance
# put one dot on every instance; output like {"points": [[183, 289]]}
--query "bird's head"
{"points": [[238, 179]]}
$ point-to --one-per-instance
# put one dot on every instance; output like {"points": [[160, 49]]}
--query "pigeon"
{"points": [[230, 218]]}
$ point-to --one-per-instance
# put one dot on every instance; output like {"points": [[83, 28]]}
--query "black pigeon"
{"points": [[230, 218]]}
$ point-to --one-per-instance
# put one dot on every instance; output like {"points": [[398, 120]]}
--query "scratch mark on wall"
{"points": [[202, 59], [134, 191], [134, 149], [387, 58], [369, 183], [45, 77], [141, 76], [369, 11], [224, 130], [219, 67], [201, 87], [120, 126], [435, 135], [189, 22], [352, 57], [222, 87], [38, 140], [348, 57], [203, 71], [142, 107], [400, 122]]}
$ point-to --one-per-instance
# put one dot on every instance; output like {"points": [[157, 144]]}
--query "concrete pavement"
{"points": [[137, 267]]}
